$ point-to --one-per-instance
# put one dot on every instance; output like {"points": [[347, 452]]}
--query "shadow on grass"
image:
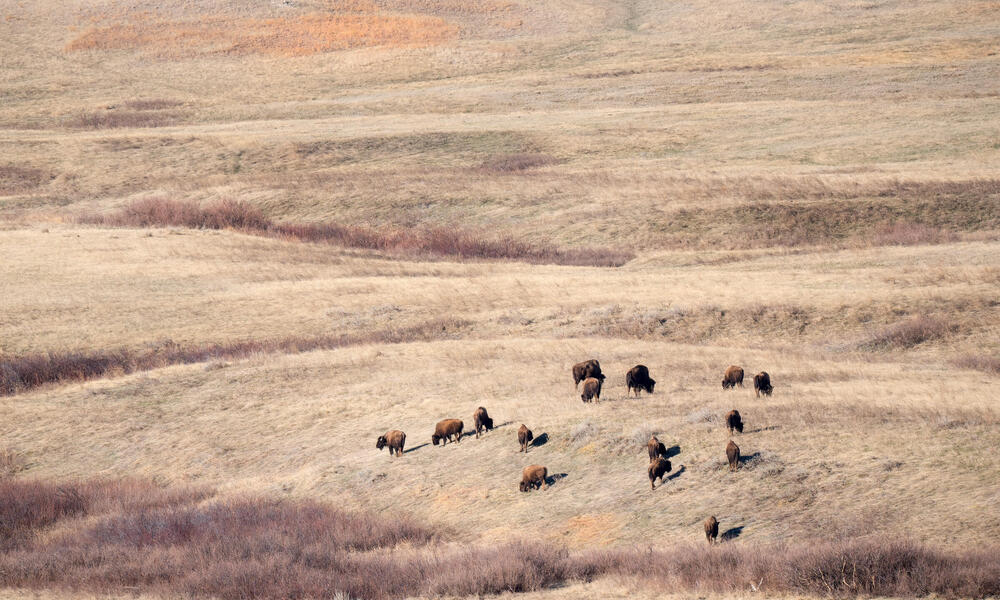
{"points": [[676, 473], [731, 534], [541, 440], [415, 448]]}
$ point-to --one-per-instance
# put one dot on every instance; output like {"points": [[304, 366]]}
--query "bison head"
{"points": [[739, 426], [488, 422], [380, 443], [435, 438], [649, 386]]}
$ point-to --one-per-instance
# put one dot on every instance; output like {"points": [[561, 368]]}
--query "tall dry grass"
{"points": [[407, 242], [135, 535], [22, 373]]}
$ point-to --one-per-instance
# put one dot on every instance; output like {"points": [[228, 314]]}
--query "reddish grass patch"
{"points": [[907, 334], [905, 233], [113, 119], [404, 242], [16, 180], [515, 163], [135, 536], [22, 373], [988, 364]]}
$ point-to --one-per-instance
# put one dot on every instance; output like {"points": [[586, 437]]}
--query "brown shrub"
{"points": [[113, 119], [515, 163], [905, 233], [405, 242], [989, 364], [16, 180], [26, 372], [907, 334]]}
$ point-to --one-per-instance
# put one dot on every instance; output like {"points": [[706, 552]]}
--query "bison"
{"points": [[482, 420], [591, 389], [656, 448], [733, 377], [733, 454], [712, 529], [658, 467], [394, 439], [533, 476], [444, 431], [638, 378], [586, 369], [762, 384], [734, 421], [524, 437]]}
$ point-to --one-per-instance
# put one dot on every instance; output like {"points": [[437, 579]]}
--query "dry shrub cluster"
{"points": [[292, 36], [112, 119], [116, 536], [406, 242], [515, 163], [988, 364], [26, 372], [910, 234], [17, 180], [907, 334]]}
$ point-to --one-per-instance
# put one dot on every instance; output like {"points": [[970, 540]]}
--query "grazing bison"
{"points": [[734, 421], [733, 454], [638, 378], [586, 369], [482, 420], [658, 467], [394, 439], [524, 437], [533, 476], [444, 431], [656, 448], [591, 389], [762, 384], [712, 529], [732, 378]]}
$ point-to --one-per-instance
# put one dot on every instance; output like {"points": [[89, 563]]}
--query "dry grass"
{"points": [[989, 364], [908, 333]]}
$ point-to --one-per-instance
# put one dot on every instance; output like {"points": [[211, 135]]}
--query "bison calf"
{"points": [[524, 438], [394, 440], [733, 454], [444, 431], [712, 529], [482, 421], [734, 421], [657, 469], [637, 379], [591, 389], [585, 370], [762, 384], [533, 476], [655, 448], [732, 377]]}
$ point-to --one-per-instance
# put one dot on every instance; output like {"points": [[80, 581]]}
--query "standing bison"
{"points": [[762, 384], [591, 389], [445, 430], [658, 467], [524, 438], [533, 476], [733, 455], [733, 377], [482, 421], [734, 421], [712, 529], [655, 448], [638, 378], [586, 369], [394, 440]]}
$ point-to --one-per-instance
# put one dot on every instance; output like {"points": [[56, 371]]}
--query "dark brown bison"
{"points": [[712, 529], [762, 384], [733, 454], [733, 377], [658, 467], [637, 379], [394, 439], [482, 420], [656, 448], [524, 437], [533, 476], [444, 431], [591, 389], [734, 421], [588, 368]]}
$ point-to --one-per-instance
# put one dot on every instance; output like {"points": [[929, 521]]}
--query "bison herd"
{"points": [[589, 373]]}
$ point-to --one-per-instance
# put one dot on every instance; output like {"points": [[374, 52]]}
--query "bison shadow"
{"points": [[551, 479], [676, 473], [732, 533], [747, 458], [541, 440], [413, 448], [673, 451], [759, 429]]}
